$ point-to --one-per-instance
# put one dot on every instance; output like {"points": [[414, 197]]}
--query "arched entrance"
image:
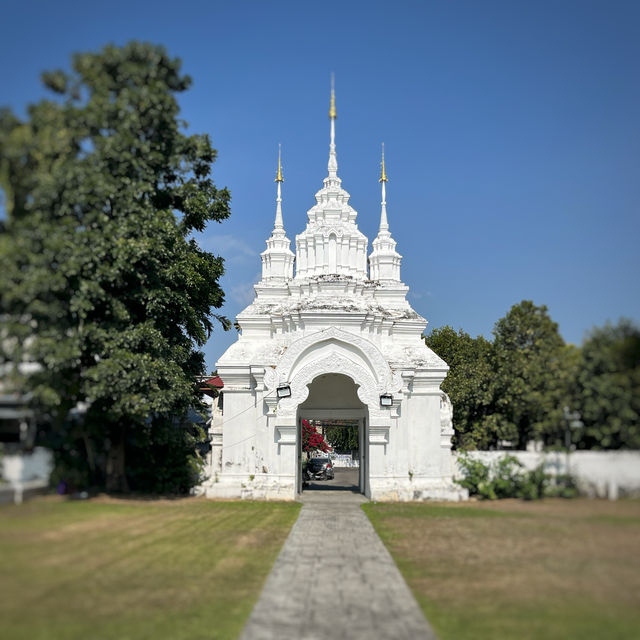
{"points": [[333, 402], [365, 377]]}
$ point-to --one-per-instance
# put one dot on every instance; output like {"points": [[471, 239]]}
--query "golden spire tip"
{"points": [[383, 176], [332, 106], [279, 177]]}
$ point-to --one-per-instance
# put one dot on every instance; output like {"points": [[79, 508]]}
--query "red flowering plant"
{"points": [[312, 440]]}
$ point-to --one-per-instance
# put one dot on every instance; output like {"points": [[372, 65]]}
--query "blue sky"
{"points": [[512, 135]]}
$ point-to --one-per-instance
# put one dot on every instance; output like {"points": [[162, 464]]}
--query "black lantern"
{"points": [[386, 400], [283, 391]]}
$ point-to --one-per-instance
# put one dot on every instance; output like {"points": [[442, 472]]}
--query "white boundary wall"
{"points": [[26, 471], [602, 474], [344, 460]]}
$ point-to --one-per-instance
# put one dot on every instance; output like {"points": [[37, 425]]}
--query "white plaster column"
{"points": [[424, 424], [379, 428], [286, 437], [446, 433], [239, 431]]}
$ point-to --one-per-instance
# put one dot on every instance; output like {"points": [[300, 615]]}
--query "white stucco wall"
{"points": [[19, 468], [603, 474], [26, 471]]}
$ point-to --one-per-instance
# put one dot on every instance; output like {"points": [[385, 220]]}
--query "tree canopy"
{"points": [[343, 437], [104, 286], [468, 383], [608, 387], [513, 389], [528, 378]]}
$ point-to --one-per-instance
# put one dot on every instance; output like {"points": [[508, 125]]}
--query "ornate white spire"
{"points": [[333, 159], [277, 259], [279, 180], [331, 244], [384, 261], [384, 224]]}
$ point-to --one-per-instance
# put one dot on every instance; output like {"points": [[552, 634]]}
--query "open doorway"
{"points": [[336, 417], [336, 465]]}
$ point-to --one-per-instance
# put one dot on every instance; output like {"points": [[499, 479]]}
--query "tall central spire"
{"points": [[279, 179], [384, 223], [332, 244], [333, 160]]}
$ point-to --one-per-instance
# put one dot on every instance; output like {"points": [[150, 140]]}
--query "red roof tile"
{"points": [[216, 382]]}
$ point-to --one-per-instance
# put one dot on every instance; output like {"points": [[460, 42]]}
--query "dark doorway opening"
{"points": [[333, 404], [344, 460]]}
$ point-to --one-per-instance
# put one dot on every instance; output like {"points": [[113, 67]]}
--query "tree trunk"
{"points": [[116, 479], [91, 461]]}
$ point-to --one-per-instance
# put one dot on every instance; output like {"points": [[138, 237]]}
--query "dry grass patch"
{"points": [[105, 568], [512, 569]]}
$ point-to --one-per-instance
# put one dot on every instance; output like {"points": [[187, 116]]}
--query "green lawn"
{"points": [[103, 569], [520, 570]]}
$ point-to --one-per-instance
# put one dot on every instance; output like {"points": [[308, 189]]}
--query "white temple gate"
{"points": [[341, 314]]}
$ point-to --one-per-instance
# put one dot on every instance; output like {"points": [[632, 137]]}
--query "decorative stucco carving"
{"points": [[384, 381], [270, 378], [335, 362], [396, 382], [446, 415], [424, 357]]}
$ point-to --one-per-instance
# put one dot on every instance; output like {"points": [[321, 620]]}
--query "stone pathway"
{"points": [[335, 579]]}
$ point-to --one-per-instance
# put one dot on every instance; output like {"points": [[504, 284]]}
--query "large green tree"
{"points": [[609, 387], [513, 388], [531, 375], [468, 383], [103, 285]]}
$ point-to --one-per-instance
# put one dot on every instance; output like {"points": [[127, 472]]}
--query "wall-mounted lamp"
{"points": [[283, 391], [386, 400]]}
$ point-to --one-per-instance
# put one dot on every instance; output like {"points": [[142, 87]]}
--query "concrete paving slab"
{"points": [[334, 578]]}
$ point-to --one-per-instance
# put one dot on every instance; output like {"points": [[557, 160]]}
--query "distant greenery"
{"points": [[171, 570], [343, 438], [103, 284], [513, 389], [608, 387]]}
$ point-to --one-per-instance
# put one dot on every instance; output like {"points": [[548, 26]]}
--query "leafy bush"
{"points": [[476, 476], [506, 478], [534, 484], [165, 457], [562, 486], [168, 460]]}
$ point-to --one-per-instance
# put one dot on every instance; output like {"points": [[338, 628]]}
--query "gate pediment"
{"points": [[334, 340], [332, 351]]}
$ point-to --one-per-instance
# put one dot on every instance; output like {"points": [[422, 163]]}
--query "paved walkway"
{"points": [[335, 579]]}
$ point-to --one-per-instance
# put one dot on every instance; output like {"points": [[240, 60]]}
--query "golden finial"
{"points": [[332, 106], [383, 176], [279, 177]]}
